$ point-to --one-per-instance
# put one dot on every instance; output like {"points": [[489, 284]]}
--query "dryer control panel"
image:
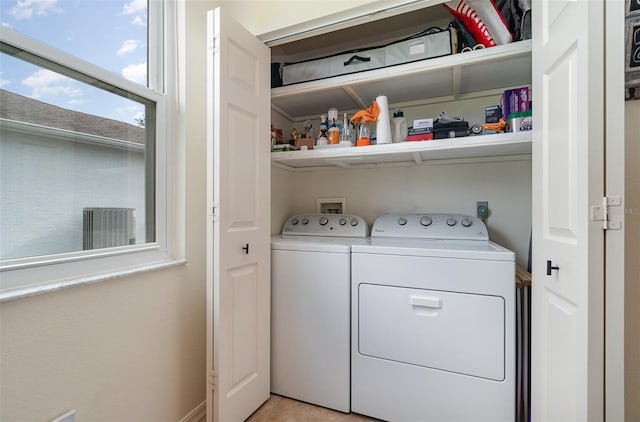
{"points": [[338, 225], [430, 226]]}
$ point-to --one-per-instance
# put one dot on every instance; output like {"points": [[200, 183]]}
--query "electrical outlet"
{"points": [[482, 209]]}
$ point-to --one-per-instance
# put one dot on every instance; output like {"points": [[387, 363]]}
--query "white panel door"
{"points": [[238, 229], [567, 310]]}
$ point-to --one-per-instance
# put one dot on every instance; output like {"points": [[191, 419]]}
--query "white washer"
{"points": [[433, 321], [311, 308]]}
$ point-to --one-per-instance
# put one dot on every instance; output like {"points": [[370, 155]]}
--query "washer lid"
{"points": [[443, 248], [314, 243]]}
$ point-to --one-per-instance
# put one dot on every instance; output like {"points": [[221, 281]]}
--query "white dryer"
{"points": [[311, 308], [433, 321]]}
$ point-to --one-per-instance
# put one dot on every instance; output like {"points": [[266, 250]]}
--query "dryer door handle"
{"points": [[426, 301]]}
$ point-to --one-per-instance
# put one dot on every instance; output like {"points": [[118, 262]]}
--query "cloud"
{"points": [[130, 108], [43, 77], [136, 73], [134, 112], [4, 82], [25, 9], [128, 47], [47, 83], [137, 8], [139, 20]]}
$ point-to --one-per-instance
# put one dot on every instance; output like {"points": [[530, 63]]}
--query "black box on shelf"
{"points": [[492, 114]]}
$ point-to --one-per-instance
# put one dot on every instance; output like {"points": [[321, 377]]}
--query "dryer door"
{"points": [[456, 332]]}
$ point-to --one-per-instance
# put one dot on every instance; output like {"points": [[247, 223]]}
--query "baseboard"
{"points": [[199, 414]]}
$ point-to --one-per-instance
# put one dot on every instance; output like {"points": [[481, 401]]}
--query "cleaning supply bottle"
{"points": [[333, 133], [322, 139], [363, 134], [346, 136], [400, 128]]}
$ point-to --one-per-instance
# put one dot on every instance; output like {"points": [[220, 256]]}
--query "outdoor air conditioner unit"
{"points": [[108, 227]]}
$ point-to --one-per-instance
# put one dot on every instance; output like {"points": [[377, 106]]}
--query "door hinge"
{"points": [[212, 380], [214, 43], [213, 211], [603, 213]]}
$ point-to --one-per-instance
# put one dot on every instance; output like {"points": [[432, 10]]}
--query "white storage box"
{"points": [[434, 42]]}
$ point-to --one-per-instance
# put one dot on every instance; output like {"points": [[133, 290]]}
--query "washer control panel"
{"points": [[338, 225], [430, 226]]}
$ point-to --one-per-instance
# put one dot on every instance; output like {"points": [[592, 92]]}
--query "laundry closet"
{"points": [[437, 176]]}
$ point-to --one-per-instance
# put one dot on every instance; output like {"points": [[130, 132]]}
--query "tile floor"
{"points": [[283, 409]]}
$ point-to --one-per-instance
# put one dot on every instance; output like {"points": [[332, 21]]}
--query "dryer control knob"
{"points": [[342, 221], [466, 222], [402, 221], [354, 222], [294, 221], [426, 220], [324, 221], [305, 221], [451, 221]]}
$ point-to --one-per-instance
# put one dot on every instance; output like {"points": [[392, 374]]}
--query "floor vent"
{"points": [[108, 227]]}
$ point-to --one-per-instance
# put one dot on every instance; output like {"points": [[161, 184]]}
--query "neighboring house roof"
{"points": [[23, 109]]}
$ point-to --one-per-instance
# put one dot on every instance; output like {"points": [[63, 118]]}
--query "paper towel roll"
{"points": [[383, 125]]}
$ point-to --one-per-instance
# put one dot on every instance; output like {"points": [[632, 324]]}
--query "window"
{"points": [[84, 131]]}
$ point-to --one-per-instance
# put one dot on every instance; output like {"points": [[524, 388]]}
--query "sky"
{"points": [[109, 33]]}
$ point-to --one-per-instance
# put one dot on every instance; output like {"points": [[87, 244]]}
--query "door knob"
{"points": [[245, 248], [550, 267]]}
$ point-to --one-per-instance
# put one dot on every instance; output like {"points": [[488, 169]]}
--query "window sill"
{"points": [[55, 286]]}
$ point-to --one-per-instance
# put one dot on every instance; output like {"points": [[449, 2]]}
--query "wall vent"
{"points": [[108, 227]]}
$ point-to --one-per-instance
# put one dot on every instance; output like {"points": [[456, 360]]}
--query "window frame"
{"points": [[30, 275]]}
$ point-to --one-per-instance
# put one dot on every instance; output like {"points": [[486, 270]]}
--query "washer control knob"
{"points": [[324, 221], [402, 221], [294, 221], [466, 222], [305, 221], [354, 222], [342, 221], [426, 220], [451, 221]]}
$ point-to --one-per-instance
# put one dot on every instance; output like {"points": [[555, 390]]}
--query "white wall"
{"points": [[123, 350], [632, 261], [261, 16], [431, 188]]}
